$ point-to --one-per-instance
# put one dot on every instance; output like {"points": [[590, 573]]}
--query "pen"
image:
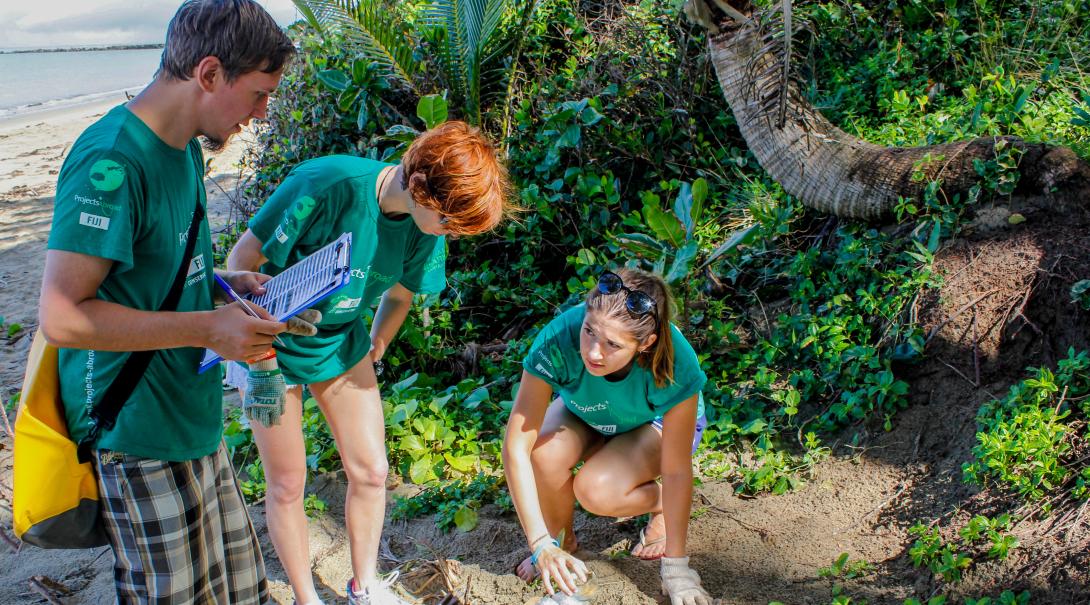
{"points": [[235, 297]]}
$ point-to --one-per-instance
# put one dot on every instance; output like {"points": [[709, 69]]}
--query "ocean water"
{"points": [[36, 81]]}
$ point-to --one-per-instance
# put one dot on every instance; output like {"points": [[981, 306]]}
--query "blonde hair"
{"points": [[659, 357]]}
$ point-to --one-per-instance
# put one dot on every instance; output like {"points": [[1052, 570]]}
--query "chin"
{"points": [[213, 144]]}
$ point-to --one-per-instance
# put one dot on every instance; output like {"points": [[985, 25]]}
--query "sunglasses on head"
{"points": [[638, 303]]}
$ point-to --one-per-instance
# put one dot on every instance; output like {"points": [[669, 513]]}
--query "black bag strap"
{"points": [[104, 414]]}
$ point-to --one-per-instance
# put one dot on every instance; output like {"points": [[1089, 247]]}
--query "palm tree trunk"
{"points": [[832, 171]]}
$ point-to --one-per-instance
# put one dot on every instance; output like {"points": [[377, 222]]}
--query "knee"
{"points": [[595, 492], [286, 488], [548, 462], [367, 473]]}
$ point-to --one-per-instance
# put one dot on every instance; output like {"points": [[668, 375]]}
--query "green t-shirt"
{"points": [[321, 199], [125, 195], [610, 407]]}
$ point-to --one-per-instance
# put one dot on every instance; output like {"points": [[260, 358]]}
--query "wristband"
{"points": [[537, 551], [270, 354]]}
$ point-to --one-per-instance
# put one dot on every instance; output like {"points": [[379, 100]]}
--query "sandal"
{"points": [[645, 543]]}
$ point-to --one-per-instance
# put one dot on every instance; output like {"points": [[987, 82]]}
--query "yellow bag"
{"points": [[56, 501]]}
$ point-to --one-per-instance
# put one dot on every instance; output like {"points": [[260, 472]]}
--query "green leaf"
{"points": [[683, 207], [465, 519], [738, 238], [363, 115], [475, 398], [641, 244], [462, 464], [933, 241], [413, 443], [421, 470], [753, 426], [347, 99], [405, 384], [432, 109], [334, 79], [665, 226], [682, 262], [700, 193]]}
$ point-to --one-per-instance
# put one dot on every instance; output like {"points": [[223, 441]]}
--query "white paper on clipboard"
{"points": [[301, 285]]}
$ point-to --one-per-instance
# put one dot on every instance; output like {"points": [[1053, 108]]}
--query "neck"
{"points": [[621, 373], [170, 109], [392, 197]]}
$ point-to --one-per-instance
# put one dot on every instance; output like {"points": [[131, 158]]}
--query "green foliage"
{"points": [[1007, 597], [843, 567], [947, 559], [1025, 441], [453, 503], [624, 153], [314, 506]]}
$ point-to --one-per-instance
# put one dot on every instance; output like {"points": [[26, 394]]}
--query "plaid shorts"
{"points": [[179, 531]]}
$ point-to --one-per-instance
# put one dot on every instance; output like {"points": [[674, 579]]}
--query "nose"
{"points": [[261, 110], [594, 353]]}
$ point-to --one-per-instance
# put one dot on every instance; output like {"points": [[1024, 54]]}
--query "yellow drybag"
{"points": [[56, 501]]}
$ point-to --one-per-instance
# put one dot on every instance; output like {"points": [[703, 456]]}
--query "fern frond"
{"points": [[371, 27]]}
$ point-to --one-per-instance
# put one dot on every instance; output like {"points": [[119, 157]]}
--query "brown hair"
{"points": [[659, 358], [240, 33], [460, 178]]}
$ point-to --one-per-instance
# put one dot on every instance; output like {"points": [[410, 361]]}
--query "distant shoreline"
{"points": [[82, 49]]}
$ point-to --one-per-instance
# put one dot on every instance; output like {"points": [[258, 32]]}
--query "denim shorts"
{"points": [[701, 422]]}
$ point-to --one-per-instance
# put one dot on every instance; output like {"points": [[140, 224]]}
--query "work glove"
{"points": [[266, 390], [682, 584]]}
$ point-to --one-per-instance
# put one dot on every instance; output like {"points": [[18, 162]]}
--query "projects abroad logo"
{"points": [[106, 175]]}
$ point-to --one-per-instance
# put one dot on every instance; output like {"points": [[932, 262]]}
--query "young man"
{"points": [[126, 197]]}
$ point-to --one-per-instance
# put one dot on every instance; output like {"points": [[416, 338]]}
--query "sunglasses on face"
{"points": [[638, 303]]}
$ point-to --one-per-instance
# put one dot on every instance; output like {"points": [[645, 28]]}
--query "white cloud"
{"points": [[59, 23]]}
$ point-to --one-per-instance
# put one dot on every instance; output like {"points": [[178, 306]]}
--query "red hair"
{"points": [[463, 180]]}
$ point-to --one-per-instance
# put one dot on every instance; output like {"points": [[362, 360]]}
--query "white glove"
{"points": [[682, 584]]}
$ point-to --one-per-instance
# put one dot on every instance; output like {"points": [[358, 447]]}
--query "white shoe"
{"points": [[377, 593]]}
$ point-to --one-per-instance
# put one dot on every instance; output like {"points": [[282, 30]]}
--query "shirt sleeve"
{"points": [[426, 266], [689, 378], [554, 354], [289, 213], [100, 198]]}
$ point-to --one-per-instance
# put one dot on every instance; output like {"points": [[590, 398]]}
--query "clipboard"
{"points": [[300, 286]]}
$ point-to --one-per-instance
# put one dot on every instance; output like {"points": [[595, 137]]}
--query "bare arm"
{"points": [[523, 427], [71, 315], [246, 254], [392, 311], [678, 426]]}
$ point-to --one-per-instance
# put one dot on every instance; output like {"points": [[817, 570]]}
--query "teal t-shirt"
{"points": [[125, 195], [321, 199], [610, 407]]}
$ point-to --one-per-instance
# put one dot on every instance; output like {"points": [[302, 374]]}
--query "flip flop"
{"points": [[644, 543]]}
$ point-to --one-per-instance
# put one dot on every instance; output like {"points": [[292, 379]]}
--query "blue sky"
{"points": [[60, 23]]}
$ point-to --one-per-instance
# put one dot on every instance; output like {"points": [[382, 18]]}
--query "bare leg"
{"points": [[353, 408], [283, 455], [619, 481], [564, 441]]}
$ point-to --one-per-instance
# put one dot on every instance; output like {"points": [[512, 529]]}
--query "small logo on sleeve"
{"points": [[280, 235], [94, 220], [106, 175]]}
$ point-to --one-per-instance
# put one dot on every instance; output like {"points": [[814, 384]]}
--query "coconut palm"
{"points": [[823, 166]]}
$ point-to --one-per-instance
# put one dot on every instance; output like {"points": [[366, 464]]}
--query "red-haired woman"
{"points": [[449, 182], [628, 406]]}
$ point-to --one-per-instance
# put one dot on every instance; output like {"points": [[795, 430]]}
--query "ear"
{"points": [[418, 189], [206, 72], [648, 343]]}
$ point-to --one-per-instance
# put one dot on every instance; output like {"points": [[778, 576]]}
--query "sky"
{"points": [[64, 23]]}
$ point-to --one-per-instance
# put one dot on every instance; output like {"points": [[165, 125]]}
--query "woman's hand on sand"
{"points": [[555, 563]]}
